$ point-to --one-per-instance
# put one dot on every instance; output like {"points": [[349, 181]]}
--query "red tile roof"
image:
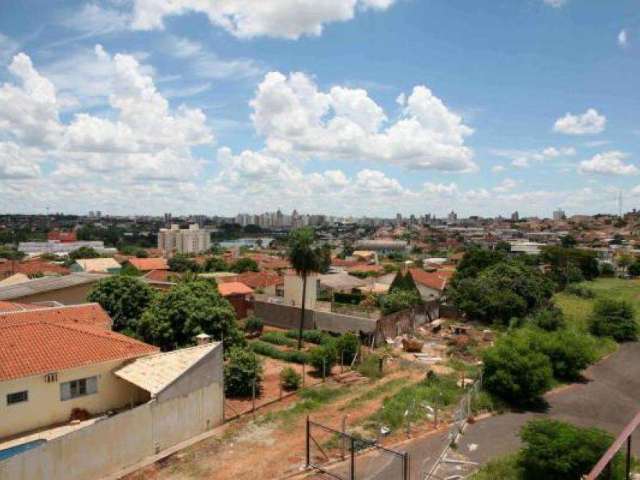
{"points": [[365, 268], [233, 288], [16, 307], [50, 339], [31, 267], [162, 276], [343, 262], [148, 264], [437, 280], [87, 314], [36, 348], [255, 279]]}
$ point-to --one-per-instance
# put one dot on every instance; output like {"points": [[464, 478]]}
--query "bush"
{"points": [[290, 379], [268, 350], [371, 366], [634, 269], [253, 325], [515, 371], [580, 291], [607, 270], [277, 338], [556, 450], [400, 300], [350, 298], [311, 336], [347, 347], [549, 319], [614, 318], [244, 265], [239, 373], [323, 358]]}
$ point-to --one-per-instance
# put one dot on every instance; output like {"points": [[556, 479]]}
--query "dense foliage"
{"points": [[347, 347], [83, 252], [243, 265], [240, 372], [189, 308], [614, 318], [290, 379], [183, 263], [399, 300], [501, 292], [215, 264], [556, 450], [570, 265], [124, 298], [323, 358], [253, 325]]}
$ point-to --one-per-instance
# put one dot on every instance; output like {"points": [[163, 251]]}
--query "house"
{"points": [[431, 285], [54, 360], [14, 279], [340, 282], [31, 268], [68, 290], [96, 265], [148, 264], [268, 283], [238, 295]]}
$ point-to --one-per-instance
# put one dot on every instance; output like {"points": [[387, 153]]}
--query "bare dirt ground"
{"points": [[273, 445]]}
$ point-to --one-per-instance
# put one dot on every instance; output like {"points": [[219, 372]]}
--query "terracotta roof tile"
{"points": [[234, 288], [87, 314], [437, 280], [257, 279], [148, 264]]}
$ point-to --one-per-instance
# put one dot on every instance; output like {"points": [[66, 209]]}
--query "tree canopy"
{"points": [[189, 308], [183, 263], [84, 252], [614, 318], [244, 264], [125, 298]]}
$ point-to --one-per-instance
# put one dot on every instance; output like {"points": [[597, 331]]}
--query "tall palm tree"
{"points": [[304, 260]]}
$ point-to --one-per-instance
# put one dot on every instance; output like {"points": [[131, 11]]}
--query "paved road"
{"points": [[608, 399]]}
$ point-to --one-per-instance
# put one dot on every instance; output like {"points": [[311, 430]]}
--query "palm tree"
{"points": [[304, 260]]}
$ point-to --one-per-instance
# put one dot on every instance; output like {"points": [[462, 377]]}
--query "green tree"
{"points": [[324, 258], [614, 318], [215, 264], [515, 371], [183, 263], [399, 300], [556, 450], [11, 253], [244, 264], [563, 263], [124, 298], [549, 318], [304, 260], [323, 357], [634, 269], [243, 368], [129, 270], [187, 309], [347, 347], [474, 261], [83, 252], [568, 241]]}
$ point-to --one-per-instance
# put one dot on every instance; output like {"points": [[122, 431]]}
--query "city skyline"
{"points": [[365, 107]]}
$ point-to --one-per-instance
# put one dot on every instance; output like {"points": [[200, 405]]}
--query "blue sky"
{"points": [[346, 107]]}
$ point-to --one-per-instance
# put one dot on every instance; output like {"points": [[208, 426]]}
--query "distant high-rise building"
{"points": [[515, 216], [176, 240], [398, 219], [167, 218], [452, 217], [559, 215]]}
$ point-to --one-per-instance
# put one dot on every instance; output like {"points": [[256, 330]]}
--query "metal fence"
{"points": [[461, 415], [342, 456]]}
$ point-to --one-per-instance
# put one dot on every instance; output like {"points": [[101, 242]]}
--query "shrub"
{"points": [[607, 270], [323, 358], [253, 325], [580, 291], [268, 350], [311, 336], [245, 264], [399, 300], [240, 372], [549, 319], [350, 298], [556, 450], [290, 379], [347, 347], [515, 371], [277, 338], [614, 318], [371, 366]]}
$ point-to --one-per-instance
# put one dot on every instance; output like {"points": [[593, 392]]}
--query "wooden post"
{"points": [[344, 437], [323, 369], [253, 397], [628, 466], [341, 362], [353, 459], [304, 375], [307, 446]]}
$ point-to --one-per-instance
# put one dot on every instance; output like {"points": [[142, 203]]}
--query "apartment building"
{"points": [[183, 240]]}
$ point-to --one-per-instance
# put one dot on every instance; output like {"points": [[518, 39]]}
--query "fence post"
{"points": [[307, 446], [353, 459], [405, 466], [323, 369], [344, 436], [628, 466], [253, 397], [342, 362]]}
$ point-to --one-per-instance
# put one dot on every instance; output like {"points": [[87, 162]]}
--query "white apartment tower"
{"points": [[176, 240]]}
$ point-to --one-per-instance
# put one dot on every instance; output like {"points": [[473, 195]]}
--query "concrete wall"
{"points": [[44, 406], [336, 322], [114, 443], [293, 290]]}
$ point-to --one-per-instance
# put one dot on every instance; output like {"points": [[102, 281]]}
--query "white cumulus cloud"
{"points": [[589, 123], [289, 19], [623, 38], [608, 163], [296, 118]]}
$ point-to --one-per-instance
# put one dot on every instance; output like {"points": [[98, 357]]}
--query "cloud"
{"points": [[8, 47], [623, 38], [92, 19], [288, 19], [589, 123], [19, 163], [608, 163], [498, 168], [507, 185], [298, 119], [524, 158], [556, 3]]}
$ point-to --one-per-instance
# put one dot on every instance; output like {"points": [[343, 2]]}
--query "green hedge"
{"points": [[278, 338], [350, 298], [268, 350], [311, 336]]}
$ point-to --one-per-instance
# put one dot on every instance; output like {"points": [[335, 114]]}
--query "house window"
{"points": [[17, 397], [78, 388]]}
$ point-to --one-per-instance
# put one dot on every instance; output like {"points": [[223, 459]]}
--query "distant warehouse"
{"points": [[382, 246]]}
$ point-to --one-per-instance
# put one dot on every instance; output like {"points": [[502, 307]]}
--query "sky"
{"points": [[341, 107]]}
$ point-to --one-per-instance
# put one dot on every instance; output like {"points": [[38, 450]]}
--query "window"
{"points": [[78, 388], [17, 397]]}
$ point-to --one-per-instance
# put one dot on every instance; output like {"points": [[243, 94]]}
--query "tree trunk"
{"points": [[304, 298]]}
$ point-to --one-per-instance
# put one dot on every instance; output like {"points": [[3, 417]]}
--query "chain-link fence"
{"points": [[345, 456]]}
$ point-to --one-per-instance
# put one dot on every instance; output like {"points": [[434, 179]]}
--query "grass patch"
{"points": [[278, 338], [375, 392], [370, 367], [268, 350], [412, 400], [505, 468], [311, 399], [310, 336]]}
